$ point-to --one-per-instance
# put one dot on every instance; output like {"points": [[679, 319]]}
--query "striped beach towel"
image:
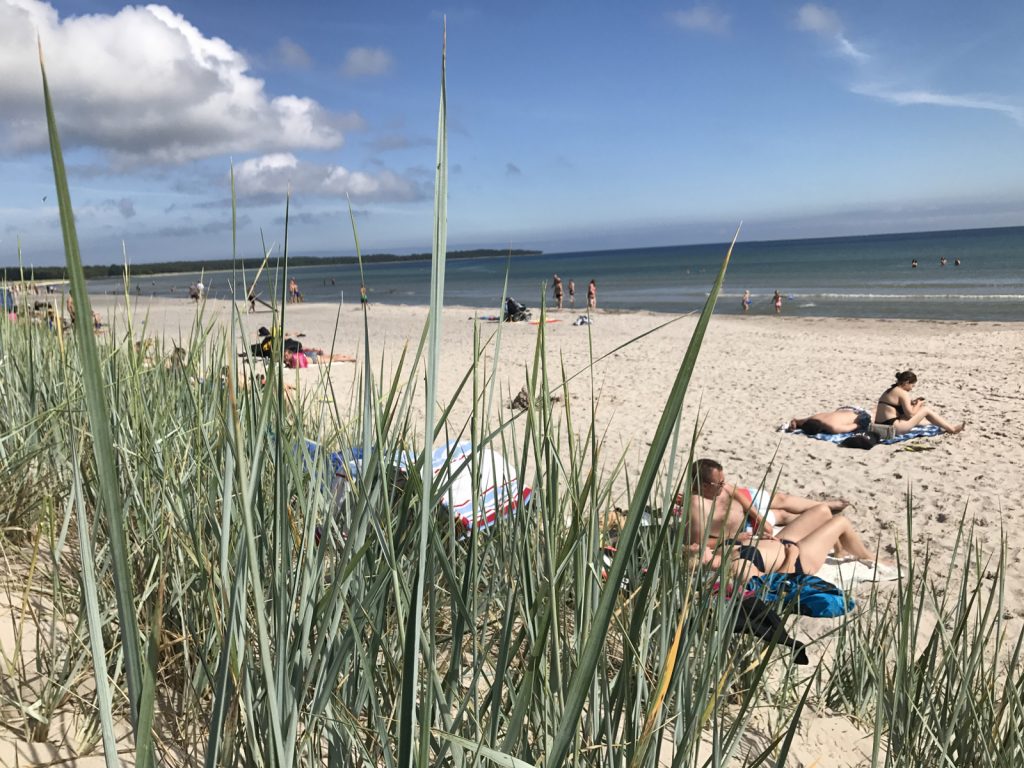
{"points": [[500, 494]]}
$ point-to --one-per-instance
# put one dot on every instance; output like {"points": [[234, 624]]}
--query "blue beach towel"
{"points": [[923, 430]]}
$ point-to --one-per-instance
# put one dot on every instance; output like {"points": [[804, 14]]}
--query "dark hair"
{"points": [[906, 377], [814, 427], [263, 331], [701, 469]]}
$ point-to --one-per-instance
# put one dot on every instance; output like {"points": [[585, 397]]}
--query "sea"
{"points": [[973, 275]]}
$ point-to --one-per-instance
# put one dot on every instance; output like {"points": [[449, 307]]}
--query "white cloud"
{"points": [[918, 97], [701, 18], [364, 62], [826, 23], [292, 54], [143, 85], [272, 175]]}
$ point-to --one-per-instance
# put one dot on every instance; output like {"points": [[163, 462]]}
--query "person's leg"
{"points": [[905, 425], [815, 547], [788, 507], [805, 523]]}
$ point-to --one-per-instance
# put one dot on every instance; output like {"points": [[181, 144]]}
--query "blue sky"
{"points": [[572, 125]]}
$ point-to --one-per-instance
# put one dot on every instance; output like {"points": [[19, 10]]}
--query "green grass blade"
{"points": [[582, 678], [102, 437], [410, 673]]}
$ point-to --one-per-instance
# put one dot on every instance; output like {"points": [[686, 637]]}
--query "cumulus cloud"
{"points": [[367, 62], [701, 18], [269, 176], [932, 98], [144, 85], [825, 23], [292, 54]]}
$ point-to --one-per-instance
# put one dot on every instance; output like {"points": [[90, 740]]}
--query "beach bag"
{"points": [[863, 440], [884, 431], [806, 594]]}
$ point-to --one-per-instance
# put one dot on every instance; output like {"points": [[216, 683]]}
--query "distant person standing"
{"points": [[556, 286], [913, 264], [592, 295], [363, 298], [777, 301], [293, 290], [746, 301], [252, 300], [572, 294], [956, 262]]}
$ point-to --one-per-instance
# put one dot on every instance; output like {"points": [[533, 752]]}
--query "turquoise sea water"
{"points": [[835, 277]]}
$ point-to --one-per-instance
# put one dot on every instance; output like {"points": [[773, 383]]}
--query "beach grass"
{"points": [[236, 609]]}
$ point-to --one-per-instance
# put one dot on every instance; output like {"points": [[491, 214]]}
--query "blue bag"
{"points": [[807, 595]]}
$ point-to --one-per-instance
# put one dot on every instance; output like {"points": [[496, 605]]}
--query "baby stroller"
{"points": [[515, 312]]}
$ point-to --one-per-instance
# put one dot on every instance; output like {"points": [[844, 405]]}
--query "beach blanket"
{"points": [[923, 430], [499, 490], [847, 574], [499, 495]]}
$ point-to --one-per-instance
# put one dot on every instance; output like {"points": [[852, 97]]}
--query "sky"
{"points": [[571, 125]]}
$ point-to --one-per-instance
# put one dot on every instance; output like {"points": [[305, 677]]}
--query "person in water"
{"points": [[895, 408], [746, 301]]}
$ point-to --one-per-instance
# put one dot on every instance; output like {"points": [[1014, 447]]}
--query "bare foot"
{"points": [[837, 505]]}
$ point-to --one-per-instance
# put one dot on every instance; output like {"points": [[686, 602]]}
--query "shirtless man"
{"points": [[732, 515]]}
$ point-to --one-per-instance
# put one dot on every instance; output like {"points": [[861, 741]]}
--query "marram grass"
{"points": [[277, 628]]}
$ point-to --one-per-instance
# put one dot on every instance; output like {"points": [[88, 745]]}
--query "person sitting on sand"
{"points": [[837, 422], [723, 513], [895, 408]]}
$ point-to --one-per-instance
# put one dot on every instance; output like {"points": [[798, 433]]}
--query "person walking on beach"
{"points": [[572, 294], [592, 295], [556, 285], [746, 301], [777, 301], [363, 298]]}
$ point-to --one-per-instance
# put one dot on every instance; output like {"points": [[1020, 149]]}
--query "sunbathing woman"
{"points": [[895, 408], [807, 555], [838, 422]]}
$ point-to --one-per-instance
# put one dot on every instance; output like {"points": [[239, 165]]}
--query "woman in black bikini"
{"points": [[807, 555], [895, 408]]}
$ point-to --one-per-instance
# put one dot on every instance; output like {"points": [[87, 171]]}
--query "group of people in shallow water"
{"points": [[558, 292], [895, 408]]}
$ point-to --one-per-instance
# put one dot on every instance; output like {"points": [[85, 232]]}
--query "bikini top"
{"points": [[897, 406]]}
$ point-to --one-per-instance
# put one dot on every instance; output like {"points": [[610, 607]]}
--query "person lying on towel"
{"points": [[837, 422]]}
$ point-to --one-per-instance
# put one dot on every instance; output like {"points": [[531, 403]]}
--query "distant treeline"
{"points": [[12, 274]]}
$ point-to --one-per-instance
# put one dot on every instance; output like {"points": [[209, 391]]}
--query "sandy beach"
{"points": [[753, 374]]}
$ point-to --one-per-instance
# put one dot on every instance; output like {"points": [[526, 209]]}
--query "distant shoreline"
{"points": [[164, 268]]}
